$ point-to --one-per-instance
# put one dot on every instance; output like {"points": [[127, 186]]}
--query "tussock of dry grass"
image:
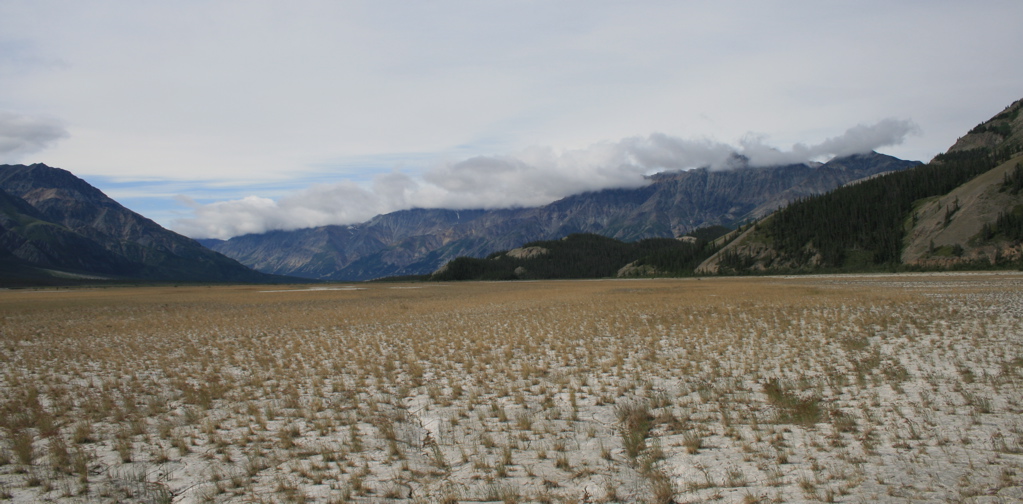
{"points": [[836, 389]]}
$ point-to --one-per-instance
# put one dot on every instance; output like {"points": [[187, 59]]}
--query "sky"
{"points": [[218, 118]]}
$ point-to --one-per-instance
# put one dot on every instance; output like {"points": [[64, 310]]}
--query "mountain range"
{"points": [[867, 212], [56, 228], [419, 241]]}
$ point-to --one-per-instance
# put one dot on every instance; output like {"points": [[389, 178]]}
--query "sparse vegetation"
{"points": [[634, 419], [734, 390], [1013, 181]]}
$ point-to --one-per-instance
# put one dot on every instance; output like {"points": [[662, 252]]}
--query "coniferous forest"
{"points": [[865, 222], [588, 256], [863, 226]]}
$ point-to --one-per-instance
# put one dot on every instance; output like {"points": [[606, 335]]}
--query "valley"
{"points": [[419, 241]]}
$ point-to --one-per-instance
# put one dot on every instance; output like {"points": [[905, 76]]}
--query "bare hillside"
{"points": [[931, 240]]}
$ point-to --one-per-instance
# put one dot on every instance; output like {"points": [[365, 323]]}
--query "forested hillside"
{"points": [[863, 224], [588, 256], [867, 226]]}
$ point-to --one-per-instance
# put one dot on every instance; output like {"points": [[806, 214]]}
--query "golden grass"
{"points": [[830, 388]]}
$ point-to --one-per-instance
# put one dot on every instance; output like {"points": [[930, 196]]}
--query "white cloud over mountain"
{"points": [[263, 97], [534, 176]]}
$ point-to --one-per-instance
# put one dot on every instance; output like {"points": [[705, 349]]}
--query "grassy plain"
{"points": [[831, 389]]}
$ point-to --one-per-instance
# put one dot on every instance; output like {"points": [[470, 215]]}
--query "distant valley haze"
{"points": [[219, 119]]}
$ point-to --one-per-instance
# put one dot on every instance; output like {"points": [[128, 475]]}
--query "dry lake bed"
{"points": [[875, 388]]}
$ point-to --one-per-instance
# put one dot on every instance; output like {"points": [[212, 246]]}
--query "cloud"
{"points": [[535, 176], [318, 205], [855, 140], [21, 135]]}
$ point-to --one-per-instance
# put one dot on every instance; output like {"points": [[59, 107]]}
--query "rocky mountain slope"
{"points": [[419, 241], [54, 225], [963, 209]]}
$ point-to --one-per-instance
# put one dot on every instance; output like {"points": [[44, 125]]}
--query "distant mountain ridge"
{"points": [[54, 225], [419, 241]]}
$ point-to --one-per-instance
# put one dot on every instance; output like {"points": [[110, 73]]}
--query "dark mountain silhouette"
{"points": [[55, 227]]}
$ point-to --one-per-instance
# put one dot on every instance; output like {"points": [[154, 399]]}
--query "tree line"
{"points": [[585, 255], [867, 219]]}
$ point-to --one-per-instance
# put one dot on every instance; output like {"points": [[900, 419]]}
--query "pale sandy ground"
{"points": [[872, 388]]}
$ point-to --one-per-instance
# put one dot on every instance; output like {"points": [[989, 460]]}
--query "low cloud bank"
{"points": [[21, 135], [536, 176]]}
